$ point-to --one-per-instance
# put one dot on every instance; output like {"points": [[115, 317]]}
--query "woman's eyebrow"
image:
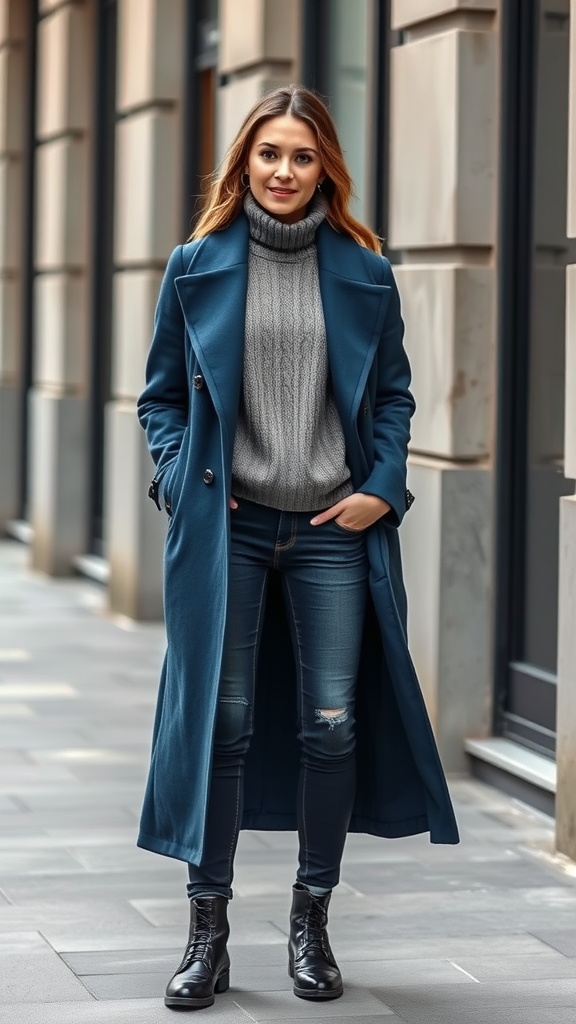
{"points": [[301, 149]]}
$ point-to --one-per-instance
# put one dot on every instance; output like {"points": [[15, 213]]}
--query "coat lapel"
{"points": [[354, 311], [213, 300]]}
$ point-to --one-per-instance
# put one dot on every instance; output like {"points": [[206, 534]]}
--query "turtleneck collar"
{"points": [[274, 234]]}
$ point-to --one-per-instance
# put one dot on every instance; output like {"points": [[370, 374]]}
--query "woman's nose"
{"points": [[283, 169]]}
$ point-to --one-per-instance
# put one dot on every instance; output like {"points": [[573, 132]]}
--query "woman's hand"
{"points": [[356, 512]]}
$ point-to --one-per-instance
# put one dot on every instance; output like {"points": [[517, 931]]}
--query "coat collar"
{"points": [[213, 298]]}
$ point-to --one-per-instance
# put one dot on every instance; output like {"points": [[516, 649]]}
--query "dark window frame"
{"points": [[314, 63], [26, 348], [522, 704], [200, 57], [101, 269]]}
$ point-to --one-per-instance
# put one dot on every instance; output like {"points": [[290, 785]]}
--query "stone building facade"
{"points": [[458, 120]]}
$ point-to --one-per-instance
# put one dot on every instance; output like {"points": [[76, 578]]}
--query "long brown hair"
{"points": [[226, 191]]}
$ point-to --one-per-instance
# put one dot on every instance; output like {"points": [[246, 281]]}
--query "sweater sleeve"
{"points": [[393, 410]]}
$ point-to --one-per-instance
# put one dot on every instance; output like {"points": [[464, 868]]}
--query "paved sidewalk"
{"points": [[91, 927]]}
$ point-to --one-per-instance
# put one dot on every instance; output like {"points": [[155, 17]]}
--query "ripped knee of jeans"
{"points": [[331, 717]]}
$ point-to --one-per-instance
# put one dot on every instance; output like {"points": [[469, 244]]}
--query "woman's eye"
{"points": [[304, 158], [268, 154]]}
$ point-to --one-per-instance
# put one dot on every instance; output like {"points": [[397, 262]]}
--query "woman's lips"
{"points": [[282, 191]]}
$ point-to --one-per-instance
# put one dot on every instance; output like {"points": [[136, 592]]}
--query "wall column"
{"points": [[444, 111], [147, 227], [13, 30], [58, 403], [566, 748]]}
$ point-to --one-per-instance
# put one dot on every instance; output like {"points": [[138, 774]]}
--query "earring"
{"points": [[246, 183], [319, 186]]}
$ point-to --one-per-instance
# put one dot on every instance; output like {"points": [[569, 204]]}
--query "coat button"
{"points": [[208, 477], [366, 410], [198, 381]]}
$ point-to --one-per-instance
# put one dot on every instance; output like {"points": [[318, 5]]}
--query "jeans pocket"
{"points": [[348, 529]]}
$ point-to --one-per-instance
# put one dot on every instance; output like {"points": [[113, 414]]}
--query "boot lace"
{"points": [[200, 944], [314, 940]]}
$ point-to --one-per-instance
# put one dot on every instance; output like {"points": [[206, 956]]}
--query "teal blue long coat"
{"points": [[189, 410]]}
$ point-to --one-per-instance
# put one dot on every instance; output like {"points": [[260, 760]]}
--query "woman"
{"points": [[277, 412]]}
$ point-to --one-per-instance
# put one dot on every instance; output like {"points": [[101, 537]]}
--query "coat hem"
{"points": [[167, 848], [288, 823]]}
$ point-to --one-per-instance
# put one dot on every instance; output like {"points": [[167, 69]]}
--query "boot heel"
{"points": [[223, 983]]}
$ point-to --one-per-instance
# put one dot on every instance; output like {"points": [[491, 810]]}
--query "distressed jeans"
{"points": [[324, 573]]}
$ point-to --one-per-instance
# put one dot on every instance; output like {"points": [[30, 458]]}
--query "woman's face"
{"points": [[284, 167]]}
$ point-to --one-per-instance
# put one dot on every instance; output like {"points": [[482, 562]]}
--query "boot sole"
{"points": [[306, 993], [222, 985]]}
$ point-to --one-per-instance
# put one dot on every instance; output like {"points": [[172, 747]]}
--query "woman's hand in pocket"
{"points": [[232, 502], [356, 512]]}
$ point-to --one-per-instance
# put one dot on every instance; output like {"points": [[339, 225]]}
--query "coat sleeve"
{"points": [[394, 407], [163, 405]]}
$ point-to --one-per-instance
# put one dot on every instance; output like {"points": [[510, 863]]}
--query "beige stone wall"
{"points": [[443, 159], [13, 85], [58, 403], [147, 227], [566, 750]]}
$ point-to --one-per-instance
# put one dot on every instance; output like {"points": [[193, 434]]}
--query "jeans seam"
{"points": [[256, 646], [300, 681], [235, 830], [279, 548]]}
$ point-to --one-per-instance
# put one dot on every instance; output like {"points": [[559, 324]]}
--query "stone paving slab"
{"points": [[482, 933], [356, 1002], [38, 971], [564, 941], [125, 1011]]}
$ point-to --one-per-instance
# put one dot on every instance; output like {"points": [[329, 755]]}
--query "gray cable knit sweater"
{"points": [[289, 448]]}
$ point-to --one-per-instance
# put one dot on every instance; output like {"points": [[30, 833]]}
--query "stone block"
{"points": [[135, 295], [10, 213], [62, 204], [135, 527], [61, 319], [10, 296], [9, 450], [410, 12], [13, 21], [257, 31], [150, 51], [449, 317], [12, 95], [148, 169], [572, 134], [64, 70], [236, 98], [446, 545], [58, 480], [443, 154], [566, 708], [570, 384]]}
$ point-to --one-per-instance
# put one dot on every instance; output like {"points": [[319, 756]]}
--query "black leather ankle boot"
{"points": [[310, 960], [205, 967]]}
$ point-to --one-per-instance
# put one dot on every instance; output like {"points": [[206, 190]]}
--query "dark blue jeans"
{"points": [[324, 574]]}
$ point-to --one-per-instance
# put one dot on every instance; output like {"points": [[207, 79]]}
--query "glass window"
{"points": [[347, 88]]}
